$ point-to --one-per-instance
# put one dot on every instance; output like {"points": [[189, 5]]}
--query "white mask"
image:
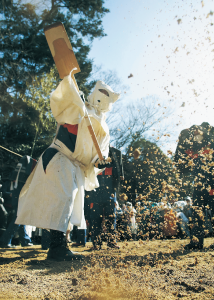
{"points": [[102, 97]]}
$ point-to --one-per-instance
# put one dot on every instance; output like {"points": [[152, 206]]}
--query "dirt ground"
{"points": [[158, 269]]}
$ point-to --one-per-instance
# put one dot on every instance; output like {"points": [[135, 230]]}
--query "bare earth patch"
{"points": [[139, 270]]}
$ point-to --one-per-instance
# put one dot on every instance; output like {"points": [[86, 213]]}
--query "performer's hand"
{"points": [[101, 164]]}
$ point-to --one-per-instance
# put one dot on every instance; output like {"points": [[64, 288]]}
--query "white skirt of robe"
{"points": [[50, 200]]}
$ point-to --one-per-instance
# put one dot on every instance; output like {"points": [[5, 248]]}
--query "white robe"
{"points": [[53, 198]]}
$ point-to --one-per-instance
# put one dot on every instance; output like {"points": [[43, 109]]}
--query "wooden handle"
{"points": [[90, 128], [93, 136]]}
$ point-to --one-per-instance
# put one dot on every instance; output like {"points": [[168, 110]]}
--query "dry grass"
{"points": [[139, 270]]}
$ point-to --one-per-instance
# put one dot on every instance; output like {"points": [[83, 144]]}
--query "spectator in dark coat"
{"points": [[18, 179], [102, 202], [195, 153], [3, 215]]}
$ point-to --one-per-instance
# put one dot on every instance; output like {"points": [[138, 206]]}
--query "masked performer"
{"points": [[195, 154], [53, 195]]}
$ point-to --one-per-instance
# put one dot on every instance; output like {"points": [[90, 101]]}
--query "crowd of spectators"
{"points": [[150, 220], [157, 220]]}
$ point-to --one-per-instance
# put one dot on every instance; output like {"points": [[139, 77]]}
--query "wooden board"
{"points": [[61, 49]]}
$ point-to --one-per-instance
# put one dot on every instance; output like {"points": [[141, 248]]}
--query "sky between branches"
{"points": [[168, 46]]}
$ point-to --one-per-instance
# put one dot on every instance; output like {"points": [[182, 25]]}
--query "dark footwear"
{"points": [[212, 246], [10, 246], [59, 249], [63, 254], [75, 245], [2, 245], [113, 245], [44, 248], [27, 245], [193, 246]]}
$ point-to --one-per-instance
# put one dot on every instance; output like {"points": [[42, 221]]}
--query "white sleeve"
{"points": [[66, 103]]}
